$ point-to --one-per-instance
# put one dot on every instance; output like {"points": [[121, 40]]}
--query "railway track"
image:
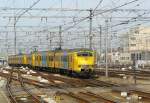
{"points": [[142, 94], [132, 91], [75, 83], [8, 87], [72, 95], [96, 97], [82, 97], [117, 73], [87, 97], [31, 98], [68, 82], [34, 97], [27, 81]]}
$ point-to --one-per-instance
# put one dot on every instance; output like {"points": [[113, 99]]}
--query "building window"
{"points": [[133, 38], [133, 44], [127, 58], [122, 58], [137, 31]]}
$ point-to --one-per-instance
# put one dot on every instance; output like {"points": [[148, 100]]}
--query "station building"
{"points": [[137, 43]]}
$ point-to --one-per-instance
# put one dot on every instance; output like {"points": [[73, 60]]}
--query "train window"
{"points": [[61, 58], [40, 58], [55, 58], [84, 54], [43, 58], [140, 56], [70, 58], [50, 58], [64, 58]]}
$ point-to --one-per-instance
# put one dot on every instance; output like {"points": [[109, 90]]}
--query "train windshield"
{"points": [[84, 54]]}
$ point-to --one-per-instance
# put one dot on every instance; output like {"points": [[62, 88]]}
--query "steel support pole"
{"points": [[90, 29], [106, 49]]}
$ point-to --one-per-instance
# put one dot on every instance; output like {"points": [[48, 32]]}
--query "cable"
{"points": [[101, 13], [116, 7], [18, 17], [97, 5], [79, 21]]}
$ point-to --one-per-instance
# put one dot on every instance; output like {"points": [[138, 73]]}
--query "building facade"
{"points": [[137, 44], [139, 39]]}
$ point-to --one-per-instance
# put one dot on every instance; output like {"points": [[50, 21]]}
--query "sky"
{"points": [[86, 4], [39, 28]]}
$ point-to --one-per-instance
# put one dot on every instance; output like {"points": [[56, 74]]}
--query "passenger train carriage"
{"points": [[74, 61]]}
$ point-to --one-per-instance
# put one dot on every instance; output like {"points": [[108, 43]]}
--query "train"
{"points": [[70, 61]]}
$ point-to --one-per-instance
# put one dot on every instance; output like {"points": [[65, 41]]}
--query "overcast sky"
{"points": [[85, 4], [32, 18]]}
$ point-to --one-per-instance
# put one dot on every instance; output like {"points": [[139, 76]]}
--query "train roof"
{"points": [[69, 50], [58, 50]]}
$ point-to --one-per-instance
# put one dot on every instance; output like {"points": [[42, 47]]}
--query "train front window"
{"points": [[84, 54]]}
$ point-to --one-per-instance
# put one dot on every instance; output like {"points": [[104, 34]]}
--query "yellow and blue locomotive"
{"points": [[72, 61]]}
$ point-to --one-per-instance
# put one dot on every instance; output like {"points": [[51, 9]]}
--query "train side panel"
{"points": [[36, 59], [39, 59], [57, 60], [71, 61], [29, 60]]}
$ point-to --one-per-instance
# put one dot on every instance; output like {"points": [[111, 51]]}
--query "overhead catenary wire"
{"points": [[83, 19], [97, 5], [109, 10], [18, 17]]}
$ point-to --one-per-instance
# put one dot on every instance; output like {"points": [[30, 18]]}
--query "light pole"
{"points": [[90, 29], [106, 49]]}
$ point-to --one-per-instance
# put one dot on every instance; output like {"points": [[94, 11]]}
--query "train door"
{"points": [[52, 60], [47, 59], [70, 62], [36, 59], [39, 59], [30, 60], [65, 60], [33, 59], [44, 59]]}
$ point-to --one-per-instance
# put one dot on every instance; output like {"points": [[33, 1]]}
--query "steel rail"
{"points": [[9, 80], [35, 98]]}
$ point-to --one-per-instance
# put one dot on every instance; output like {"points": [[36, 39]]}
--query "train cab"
{"points": [[85, 61]]}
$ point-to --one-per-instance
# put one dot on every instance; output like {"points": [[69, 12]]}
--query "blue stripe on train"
{"points": [[43, 54], [65, 60]]}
